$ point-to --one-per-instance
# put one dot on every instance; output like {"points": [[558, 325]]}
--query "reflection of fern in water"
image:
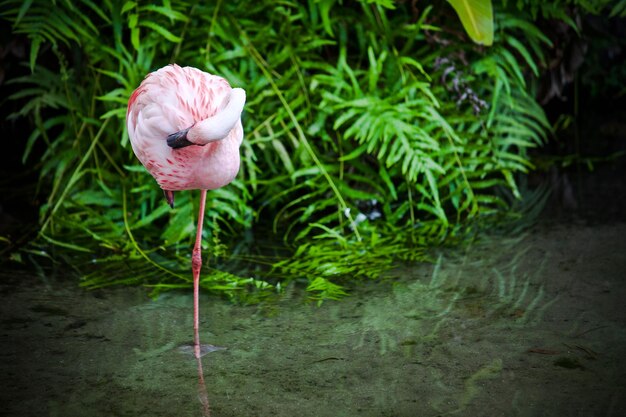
{"points": [[515, 295], [471, 389], [153, 331], [456, 296], [413, 314], [493, 297], [162, 324]]}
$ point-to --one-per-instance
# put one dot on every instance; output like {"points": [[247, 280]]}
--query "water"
{"points": [[528, 326]]}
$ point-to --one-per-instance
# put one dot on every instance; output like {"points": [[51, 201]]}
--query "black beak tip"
{"points": [[179, 139]]}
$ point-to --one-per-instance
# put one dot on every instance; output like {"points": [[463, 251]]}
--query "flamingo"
{"points": [[185, 128]]}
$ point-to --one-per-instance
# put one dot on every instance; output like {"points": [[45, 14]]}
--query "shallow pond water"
{"points": [[526, 326]]}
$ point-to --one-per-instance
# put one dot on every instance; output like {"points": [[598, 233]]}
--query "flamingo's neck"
{"points": [[218, 126]]}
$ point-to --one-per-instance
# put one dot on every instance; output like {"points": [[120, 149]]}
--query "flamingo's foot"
{"points": [[190, 349]]}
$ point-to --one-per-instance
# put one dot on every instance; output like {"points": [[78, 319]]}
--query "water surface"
{"points": [[528, 326]]}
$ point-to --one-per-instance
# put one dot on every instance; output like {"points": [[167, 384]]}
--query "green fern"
{"points": [[370, 133]]}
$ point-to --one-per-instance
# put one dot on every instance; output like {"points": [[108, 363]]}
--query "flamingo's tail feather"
{"points": [[169, 196]]}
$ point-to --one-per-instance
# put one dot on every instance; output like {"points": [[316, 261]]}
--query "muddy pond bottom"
{"points": [[526, 326]]}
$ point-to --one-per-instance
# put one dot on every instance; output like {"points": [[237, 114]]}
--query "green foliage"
{"points": [[559, 9], [371, 133], [331, 257]]}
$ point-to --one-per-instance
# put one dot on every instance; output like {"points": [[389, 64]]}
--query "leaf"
{"points": [[324, 7], [134, 38], [120, 112], [284, 156], [618, 9], [133, 19], [23, 10], [181, 225], [477, 19], [165, 11], [517, 45], [91, 197], [129, 5], [161, 31], [66, 244], [384, 3], [34, 51], [154, 214]]}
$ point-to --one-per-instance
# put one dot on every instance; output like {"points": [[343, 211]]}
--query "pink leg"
{"points": [[196, 264]]}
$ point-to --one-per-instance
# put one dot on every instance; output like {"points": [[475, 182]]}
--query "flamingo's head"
{"points": [[215, 128]]}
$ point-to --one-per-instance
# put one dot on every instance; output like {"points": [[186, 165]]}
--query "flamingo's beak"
{"points": [[179, 139]]}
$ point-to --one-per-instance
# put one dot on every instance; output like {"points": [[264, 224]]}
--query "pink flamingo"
{"points": [[185, 128]]}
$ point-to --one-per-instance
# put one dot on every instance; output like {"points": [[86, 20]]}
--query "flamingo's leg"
{"points": [[196, 264]]}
